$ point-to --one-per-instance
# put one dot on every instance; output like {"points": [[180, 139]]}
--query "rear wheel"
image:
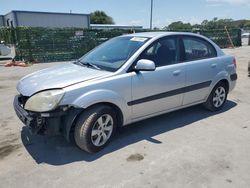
{"points": [[217, 97], [95, 128]]}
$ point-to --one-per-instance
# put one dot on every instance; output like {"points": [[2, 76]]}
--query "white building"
{"points": [[1, 20], [111, 26], [44, 19]]}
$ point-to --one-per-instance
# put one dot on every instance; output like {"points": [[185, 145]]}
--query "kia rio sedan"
{"points": [[125, 80]]}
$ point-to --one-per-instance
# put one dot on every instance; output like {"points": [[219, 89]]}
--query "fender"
{"points": [[92, 98], [103, 96], [223, 75]]}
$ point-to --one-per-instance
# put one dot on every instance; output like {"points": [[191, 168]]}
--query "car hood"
{"points": [[57, 77]]}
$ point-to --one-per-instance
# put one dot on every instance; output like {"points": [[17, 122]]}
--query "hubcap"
{"points": [[219, 97], [102, 130]]}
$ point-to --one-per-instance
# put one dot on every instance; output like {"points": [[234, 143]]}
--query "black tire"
{"points": [[85, 124], [209, 104]]}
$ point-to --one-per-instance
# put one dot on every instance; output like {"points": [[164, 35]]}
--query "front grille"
{"points": [[22, 100]]}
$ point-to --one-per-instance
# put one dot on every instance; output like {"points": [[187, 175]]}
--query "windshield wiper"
{"points": [[78, 62], [91, 65]]}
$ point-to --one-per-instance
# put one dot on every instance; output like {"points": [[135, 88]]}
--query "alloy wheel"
{"points": [[102, 130], [219, 97]]}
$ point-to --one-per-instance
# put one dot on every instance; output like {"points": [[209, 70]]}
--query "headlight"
{"points": [[44, 101]]}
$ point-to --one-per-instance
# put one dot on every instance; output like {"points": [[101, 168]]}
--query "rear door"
{"points": [[201, 68], [159, 90]]}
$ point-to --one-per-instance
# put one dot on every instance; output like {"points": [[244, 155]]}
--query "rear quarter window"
{"points": [[195, 49]]}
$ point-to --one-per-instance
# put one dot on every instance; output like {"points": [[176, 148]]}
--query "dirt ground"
{"points": [[188, 148]]}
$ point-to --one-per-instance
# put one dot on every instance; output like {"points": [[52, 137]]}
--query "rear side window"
{"points": [[196, 49]]}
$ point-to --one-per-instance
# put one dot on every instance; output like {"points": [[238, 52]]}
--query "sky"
{"points": [[137, 12]]}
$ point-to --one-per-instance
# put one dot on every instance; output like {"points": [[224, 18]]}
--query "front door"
{"points": [[159, 90]]}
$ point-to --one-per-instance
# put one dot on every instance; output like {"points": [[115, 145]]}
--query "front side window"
{"points": [[114, 53], [196, 49], [163, 52]]}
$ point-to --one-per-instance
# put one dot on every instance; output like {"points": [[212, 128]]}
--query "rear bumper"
{"points": [[249, 69], [233, 77], [39, 123]]}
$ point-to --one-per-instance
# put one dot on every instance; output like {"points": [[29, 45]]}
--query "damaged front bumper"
{"points": [[49, 123]]}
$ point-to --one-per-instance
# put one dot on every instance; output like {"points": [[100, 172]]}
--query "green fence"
{"points": [[47, 45], [220, 37]]}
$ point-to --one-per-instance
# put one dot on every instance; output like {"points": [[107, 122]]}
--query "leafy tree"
{"points": [[180, 26], [100, 17], [247, 24], [215, 23], [196, 26], [204, 23]]}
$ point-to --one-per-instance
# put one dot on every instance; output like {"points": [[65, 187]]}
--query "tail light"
{"points": [[235, 63]]}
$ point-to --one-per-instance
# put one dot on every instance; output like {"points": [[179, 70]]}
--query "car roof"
{"points": [[160, 34]]}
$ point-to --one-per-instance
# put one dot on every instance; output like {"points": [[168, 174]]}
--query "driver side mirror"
{"points": [[144, 65]]}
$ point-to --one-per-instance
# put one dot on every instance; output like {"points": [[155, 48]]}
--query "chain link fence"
{"points": [[47, 45]]}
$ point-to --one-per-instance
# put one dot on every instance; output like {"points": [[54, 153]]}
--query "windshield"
{"points": [[112, 54]]}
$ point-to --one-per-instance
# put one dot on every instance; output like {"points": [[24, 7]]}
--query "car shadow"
{"points": [[57, 151]]}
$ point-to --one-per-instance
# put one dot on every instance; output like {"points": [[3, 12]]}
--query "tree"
{"points": [[204, 23], [215, 23], [247, 24], [100, 17], [180, 26]]}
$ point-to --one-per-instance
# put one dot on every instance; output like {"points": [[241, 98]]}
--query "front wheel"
{"points": [[217, 97], [95, 127]]}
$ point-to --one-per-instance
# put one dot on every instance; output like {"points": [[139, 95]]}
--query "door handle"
{"points": [[177, 73], [214, 65]]}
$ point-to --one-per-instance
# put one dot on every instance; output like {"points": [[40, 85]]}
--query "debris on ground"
{"points": [[13, 62]]}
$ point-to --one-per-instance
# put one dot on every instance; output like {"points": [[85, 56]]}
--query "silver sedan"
{"points": [[125, 80]]}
